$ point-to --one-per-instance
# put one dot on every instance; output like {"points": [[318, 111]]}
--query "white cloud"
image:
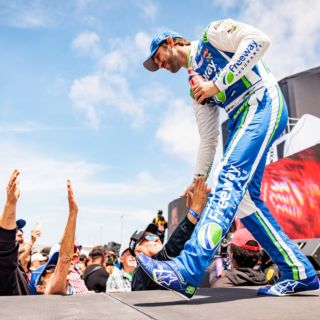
{"points": [[95, 93], [142, 42], [110, 85], [295, 33], [293, 27], [178, 131], [115, 61], [88, 44], [179, 135], [149, 8], [85, 93]]}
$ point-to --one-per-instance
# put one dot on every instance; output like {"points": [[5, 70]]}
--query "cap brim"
{"points": [[138, 236], [150, 65]]}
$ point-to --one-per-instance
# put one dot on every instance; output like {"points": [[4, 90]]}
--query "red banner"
{"points": [[291, 190]]}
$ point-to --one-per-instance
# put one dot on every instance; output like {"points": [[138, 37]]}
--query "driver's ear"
{"points": [[170, 41]]}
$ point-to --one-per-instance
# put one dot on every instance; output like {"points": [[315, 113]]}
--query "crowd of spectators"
{"points": [[65, 268]]}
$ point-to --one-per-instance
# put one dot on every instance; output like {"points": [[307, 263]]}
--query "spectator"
{"points": [[87, 263], [74, 276], [96, 276], [110, 261], [13, 279], [45, 252], [82, 263], [161, 223], [244, 253], [37, 260], [148, 241], [159, 214], [51, 278], [25, 255], [120, 280], [19, 235], [41, 276]]}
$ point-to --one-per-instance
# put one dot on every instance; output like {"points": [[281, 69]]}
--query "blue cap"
{"points": [[37, 274], [155, 44], [20, 223]]}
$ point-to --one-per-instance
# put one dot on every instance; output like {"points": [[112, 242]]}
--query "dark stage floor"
{"points": [[213, 304]]}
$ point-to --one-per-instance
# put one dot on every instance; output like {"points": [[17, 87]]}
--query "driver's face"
{"points": [[166, 57]]}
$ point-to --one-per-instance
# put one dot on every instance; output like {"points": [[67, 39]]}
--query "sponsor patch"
{"points": [[190, 290], [221, 97], [209, 235], [227, 78], [246, 56]]}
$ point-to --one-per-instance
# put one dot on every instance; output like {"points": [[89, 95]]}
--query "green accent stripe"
{"points": [[245, 108], [294, 268], [279, 114], [154, 276], [246, 82], [188, 58]]}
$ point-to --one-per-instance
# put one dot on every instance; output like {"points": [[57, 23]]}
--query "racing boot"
{"points": [[291, 287], [167, 275]]}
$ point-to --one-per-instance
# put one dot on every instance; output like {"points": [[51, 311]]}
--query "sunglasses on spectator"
{"points": [[149, 237]]}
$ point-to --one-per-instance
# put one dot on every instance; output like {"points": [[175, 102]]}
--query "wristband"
{"points": [[194, 214], [198, 175]]}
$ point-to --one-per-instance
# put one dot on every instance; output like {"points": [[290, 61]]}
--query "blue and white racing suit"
{"points": [[229, 55]]}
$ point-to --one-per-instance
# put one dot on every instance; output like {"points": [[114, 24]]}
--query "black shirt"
{"points": [[13, 280], [173, 247], [96, 278]]}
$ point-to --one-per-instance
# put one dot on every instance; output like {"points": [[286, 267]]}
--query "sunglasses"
{"points": [[149, 237]]}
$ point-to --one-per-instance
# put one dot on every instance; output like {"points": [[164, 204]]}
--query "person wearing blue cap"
{"points": [[20, 235], [231, 75], [51, 278]]}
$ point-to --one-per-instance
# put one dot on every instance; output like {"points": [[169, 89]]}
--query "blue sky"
{"points": [[76, 102]]}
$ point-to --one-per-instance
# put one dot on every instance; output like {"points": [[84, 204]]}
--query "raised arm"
{"points": [[8, 218], [58, 281], [24, 257], [185, 228]]}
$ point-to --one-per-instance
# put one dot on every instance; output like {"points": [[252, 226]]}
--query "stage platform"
{"points": [[215, 304]]}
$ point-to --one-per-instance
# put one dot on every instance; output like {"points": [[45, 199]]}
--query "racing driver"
{"points": [[234, 78]]}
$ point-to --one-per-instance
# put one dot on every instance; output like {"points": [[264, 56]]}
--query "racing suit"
{"points": [[229, 55]]}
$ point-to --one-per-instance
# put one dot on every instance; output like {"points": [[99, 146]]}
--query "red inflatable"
{"points": [[291, 190]]}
